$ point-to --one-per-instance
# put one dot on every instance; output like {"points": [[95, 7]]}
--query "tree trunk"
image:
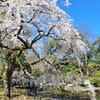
{"points": [[8, 83], [11, 60], [9, 73]]}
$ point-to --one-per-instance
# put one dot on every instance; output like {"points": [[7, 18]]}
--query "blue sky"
{"points": [[84, 12]]}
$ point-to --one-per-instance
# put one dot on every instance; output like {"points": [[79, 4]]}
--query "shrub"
{"points": [[95, 80], [36, 72], [68, 68]]}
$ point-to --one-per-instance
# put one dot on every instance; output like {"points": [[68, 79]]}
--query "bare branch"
{"points": [[50, 30], [3, 37], [20, 29], [39, 31], [37, 61], [40, 11], [35, 52], [39, 36], [34, 40], [20, 52], [31, 18], [26, 43], [48, 62], [13, 30]]}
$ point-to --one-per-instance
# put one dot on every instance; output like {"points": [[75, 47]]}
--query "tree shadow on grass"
{"points": [[52, 96]]}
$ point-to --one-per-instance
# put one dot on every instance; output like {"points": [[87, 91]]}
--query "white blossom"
{"points": [[44, 14]]}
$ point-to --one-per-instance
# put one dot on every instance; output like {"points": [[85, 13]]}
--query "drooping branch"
{"points": [[51, 65], [48, 62], [43, 60], [37, 61]]}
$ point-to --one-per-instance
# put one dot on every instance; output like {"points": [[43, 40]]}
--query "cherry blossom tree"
{"points": [[23, 25]]}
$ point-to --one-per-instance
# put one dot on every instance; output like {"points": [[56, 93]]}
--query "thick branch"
{"points": [[34, 40], [39, 36], [26, 43], [20, 29]]}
